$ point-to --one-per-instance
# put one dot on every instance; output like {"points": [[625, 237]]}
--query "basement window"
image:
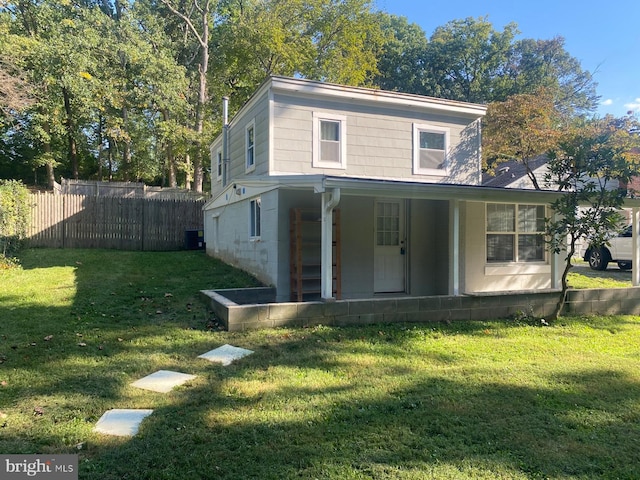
{"points": [[255, 218]]}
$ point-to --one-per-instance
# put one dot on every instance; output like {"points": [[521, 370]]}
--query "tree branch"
{"points": [[186, 19]]}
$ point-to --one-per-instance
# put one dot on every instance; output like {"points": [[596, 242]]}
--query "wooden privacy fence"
{"points": [[81, 221]]}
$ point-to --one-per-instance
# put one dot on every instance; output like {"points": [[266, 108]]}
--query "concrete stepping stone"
{"points": [[225, 354], [163, 381], [121, 422]]}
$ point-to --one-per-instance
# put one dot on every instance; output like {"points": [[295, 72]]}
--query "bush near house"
{"points": [[14, 218]]}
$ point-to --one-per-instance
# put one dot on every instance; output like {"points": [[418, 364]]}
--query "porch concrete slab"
{"points": [[225, 354], [121, 422], [163, 381]]}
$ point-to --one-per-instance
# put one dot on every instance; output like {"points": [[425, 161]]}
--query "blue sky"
{"points": [[603, 35]]}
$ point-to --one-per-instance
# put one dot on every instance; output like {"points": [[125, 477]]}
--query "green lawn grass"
{"points": [[467, 400], [581, 276]]}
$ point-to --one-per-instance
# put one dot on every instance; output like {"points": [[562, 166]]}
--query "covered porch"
{"points": [[406, 239]]}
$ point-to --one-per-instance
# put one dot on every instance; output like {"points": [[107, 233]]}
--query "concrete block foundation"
{"points": [[252, 308]]}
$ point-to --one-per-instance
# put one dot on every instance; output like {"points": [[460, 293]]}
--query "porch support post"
{"points": [[329, 201], [635, 247], [557, 266], [454, 247]]}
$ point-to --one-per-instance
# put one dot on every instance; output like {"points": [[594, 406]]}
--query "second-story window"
{"points": [[219, 164], [430, 147], [250, 147], [329, 140]]}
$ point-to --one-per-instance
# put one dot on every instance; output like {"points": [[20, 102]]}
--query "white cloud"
{"points": [[635, 105], [607, 102]]}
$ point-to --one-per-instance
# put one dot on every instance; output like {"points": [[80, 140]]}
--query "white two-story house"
{"points": [[328, 191]]}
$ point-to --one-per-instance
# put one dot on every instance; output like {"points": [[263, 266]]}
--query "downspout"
{"points": [[225, 141], [329, 201]]}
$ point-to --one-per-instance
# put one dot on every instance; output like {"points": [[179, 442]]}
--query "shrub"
{"points": [[14, 216]]}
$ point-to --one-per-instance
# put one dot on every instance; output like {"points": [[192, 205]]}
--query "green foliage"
{"points": [[469, 60], [401, 64], [130, 90], [14, 218], [536, 64], [589, 166], [465, 57], [522, 127]]}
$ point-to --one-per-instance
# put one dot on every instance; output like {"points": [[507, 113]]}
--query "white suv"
{"points": [[618, 250]]}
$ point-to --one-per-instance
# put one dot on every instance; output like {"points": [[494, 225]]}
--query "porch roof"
{"points": [[352, 186]]}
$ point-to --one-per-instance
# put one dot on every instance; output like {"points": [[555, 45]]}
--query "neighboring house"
{"points": [[513, 174], [398, 174]]}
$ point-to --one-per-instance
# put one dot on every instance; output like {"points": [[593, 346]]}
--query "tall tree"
{"points": [[328, 40], [402, 62], [521, 128], [197, 17], [535, 64], [464, 58]]}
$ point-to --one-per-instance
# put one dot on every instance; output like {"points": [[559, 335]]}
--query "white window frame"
{"points": [[318, 118], [218, 164], [250, 149], [417, 170], [515, 233], [255, 218]]}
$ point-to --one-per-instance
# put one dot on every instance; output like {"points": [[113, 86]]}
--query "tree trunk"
{"points": [[46, 146], [198, 172], [565, 286], [73, 148], [110, 157], [203, 40], [126, 148], [100, 147], [188, 172], [171, 161]]}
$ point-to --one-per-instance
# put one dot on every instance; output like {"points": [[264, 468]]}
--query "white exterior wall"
{"points": [[379, 141], [480, 276], [379, 145], [259, 114], [227, 237]]}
